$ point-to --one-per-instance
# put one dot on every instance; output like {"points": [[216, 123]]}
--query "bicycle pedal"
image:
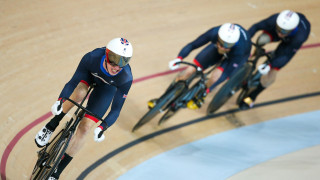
{"points": [[246, 103], [152, 103], [192, 105]]}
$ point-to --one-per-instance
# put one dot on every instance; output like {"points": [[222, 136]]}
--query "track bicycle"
{"points": [[246, 78], [51, 154], [177, 96]]}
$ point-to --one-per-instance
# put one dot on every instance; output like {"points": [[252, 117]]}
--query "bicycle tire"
{"points": [[163, 101], [180, 102], [251, 84], [43, 156], [167, 115], [244, 93], [56, 151], [229, 88]]}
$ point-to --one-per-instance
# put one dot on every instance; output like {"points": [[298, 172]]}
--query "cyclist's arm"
{"points": [[284, 53], [266, 24], [81, 73], [117, 103], [200, 41]]}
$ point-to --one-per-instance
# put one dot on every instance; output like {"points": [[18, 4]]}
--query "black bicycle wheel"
{"points": [[251, 84], [229, 88], [56, 150], [244, 93], [182, 100], [43, 156], [167, 115], [161, 104]]}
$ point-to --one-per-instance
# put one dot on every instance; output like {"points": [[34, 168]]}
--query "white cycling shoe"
{"points": [[43, 136]]}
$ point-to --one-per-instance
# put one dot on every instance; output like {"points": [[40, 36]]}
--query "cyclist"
{"points": [[108, 68], [292, 30], [228, 43]]}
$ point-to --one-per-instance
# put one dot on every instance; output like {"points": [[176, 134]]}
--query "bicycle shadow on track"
{"points": [[169, 129]]}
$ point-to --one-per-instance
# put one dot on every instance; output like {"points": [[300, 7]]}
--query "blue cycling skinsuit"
{"points": [[108, 88], [288, 45], [209, 56]]}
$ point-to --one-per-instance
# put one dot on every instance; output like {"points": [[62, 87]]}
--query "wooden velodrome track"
{"points": [[41, 44]]}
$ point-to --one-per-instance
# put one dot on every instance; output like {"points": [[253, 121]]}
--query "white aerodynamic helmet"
{"points": [[228, 35], [119, 51], [287, 21]]}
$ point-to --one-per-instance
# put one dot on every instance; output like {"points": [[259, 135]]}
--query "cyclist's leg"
{"points": [[216, 78], [226, 70], [75, 144], [181, 77], [74, 91], [268, 79], [209, 56], [98, 103], [77, 95], [78, 139], [185, 74], [264, 82], [45, 133], [282, 57]]}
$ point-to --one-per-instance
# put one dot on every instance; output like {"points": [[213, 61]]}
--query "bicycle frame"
{"points": [[198, 88], [182, 99], [174, 97]]}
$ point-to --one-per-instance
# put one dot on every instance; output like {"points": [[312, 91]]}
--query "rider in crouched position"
{"points": [[229, 44], [292, 30], [108, 68]]}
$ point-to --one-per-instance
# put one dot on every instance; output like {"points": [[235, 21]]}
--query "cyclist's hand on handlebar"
{"points": [[98, 132], [264, 69], [56, 108], [173, 65]]}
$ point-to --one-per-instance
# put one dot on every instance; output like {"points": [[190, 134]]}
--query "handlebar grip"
{"points": [[190, 64], [60, 105], [100, 134]]}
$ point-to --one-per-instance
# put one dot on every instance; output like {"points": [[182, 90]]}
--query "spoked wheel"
{"points": [[42, 158], [55, 151], [161, 104], [229, 88]]}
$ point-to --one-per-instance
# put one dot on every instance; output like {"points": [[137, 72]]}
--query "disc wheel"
{"points": [[161, 104], [229, 88], [166, 116]]}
